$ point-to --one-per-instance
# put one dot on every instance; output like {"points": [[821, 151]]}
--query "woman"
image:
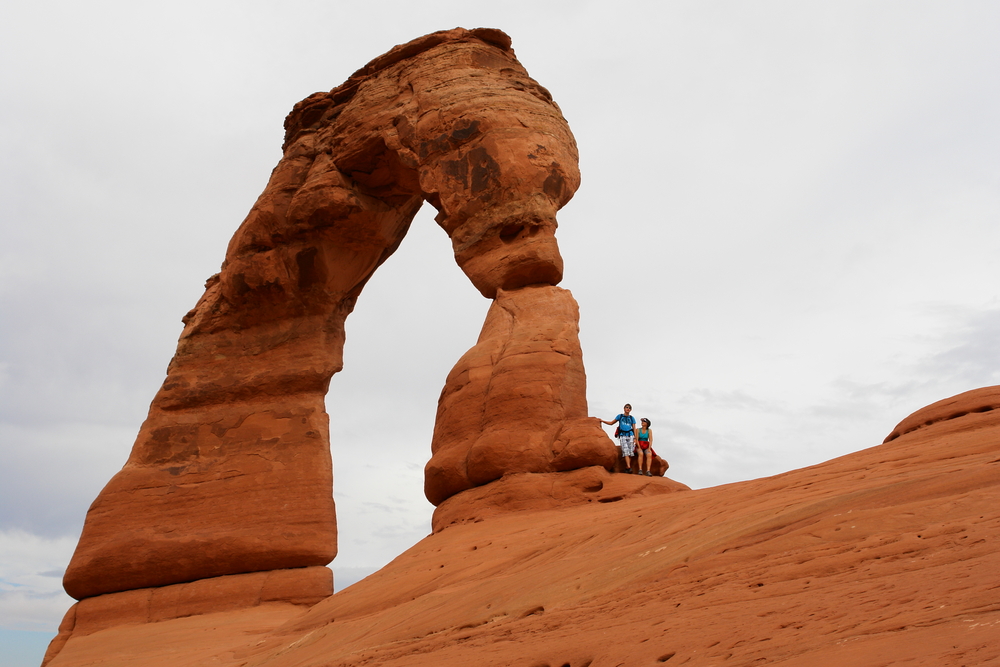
{"points": [[644, 438]]}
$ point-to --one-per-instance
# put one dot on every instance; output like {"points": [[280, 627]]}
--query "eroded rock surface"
{"points": [[971, 402], [231, 470]]}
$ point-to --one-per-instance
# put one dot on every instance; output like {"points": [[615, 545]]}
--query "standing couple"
{"points": [[628, 436]]}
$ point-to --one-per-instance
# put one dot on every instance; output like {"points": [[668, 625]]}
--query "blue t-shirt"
{"points": [[625, 423]]}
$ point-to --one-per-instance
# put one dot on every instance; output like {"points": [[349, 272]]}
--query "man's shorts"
{"points": [[628, 444]]}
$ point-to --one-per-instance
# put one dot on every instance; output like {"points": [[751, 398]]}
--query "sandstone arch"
{"points": [[231, 470]]}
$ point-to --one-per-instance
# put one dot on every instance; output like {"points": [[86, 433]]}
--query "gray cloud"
{"points": [[970, 353]]}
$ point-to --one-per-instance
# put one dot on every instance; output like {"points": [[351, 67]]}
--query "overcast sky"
{"points": [[785, 242]]}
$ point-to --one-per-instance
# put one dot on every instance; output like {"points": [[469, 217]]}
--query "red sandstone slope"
{"points": [[885, 556]]}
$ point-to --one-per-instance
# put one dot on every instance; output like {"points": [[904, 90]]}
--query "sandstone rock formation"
{"points": [[977, 400], [883, 556], [281, 592], [231, 473], [516, 402]]}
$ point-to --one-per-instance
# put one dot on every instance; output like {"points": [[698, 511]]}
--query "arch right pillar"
{"points": [[517, 401]]}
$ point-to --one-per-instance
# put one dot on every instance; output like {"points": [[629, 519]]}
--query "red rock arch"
{"points": [[231, 470]]}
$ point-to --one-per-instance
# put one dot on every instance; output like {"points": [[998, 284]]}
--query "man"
{"points": [[626, 434]]}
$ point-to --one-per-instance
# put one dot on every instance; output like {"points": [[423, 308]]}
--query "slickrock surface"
{"points": [[529, 491], [884, 556], [231, 471]]}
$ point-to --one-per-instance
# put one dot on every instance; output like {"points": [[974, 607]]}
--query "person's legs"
{"points": [[628, 447]]}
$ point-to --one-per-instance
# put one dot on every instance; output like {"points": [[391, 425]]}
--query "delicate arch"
{"points": [[231, 470]]}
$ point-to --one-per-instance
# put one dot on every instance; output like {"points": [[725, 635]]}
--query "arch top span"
{"points": [[454, 119], [231, 471]]}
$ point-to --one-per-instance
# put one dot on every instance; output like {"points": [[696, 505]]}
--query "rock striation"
{"points": [[231, 473]]}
